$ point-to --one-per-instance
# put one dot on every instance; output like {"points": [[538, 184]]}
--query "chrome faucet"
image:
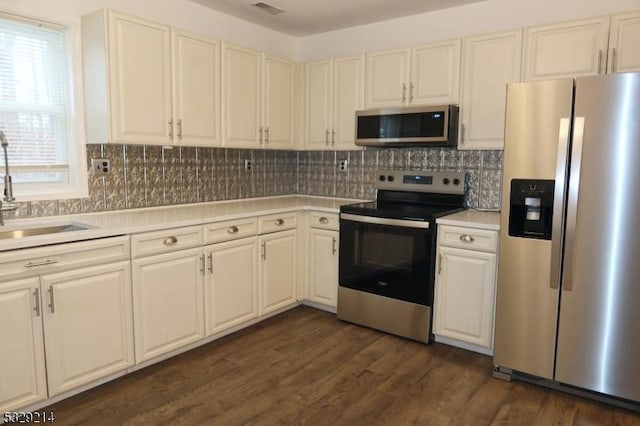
{"points": [[7, 203]]}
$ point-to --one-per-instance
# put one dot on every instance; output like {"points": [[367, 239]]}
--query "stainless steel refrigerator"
{"points": [[568, 299]]}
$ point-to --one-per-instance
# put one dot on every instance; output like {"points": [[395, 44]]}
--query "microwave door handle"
{"points": [[558, 202]]}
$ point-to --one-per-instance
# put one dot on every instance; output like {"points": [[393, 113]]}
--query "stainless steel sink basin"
{"points": [[28, 232]]}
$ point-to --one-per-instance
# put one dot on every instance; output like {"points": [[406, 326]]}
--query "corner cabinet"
{"points": [[334, 91], [465, 287], [624, 39], [489, 63], [257, 99], [147, 83]]}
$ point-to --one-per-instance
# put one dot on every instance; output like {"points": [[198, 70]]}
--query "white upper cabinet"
{"points": [[334, 91], [568, 49], [196, 90], [387, 78], [489, 63], [435, 73], [421, 75], [624, 42], [146, 83], [257, 99], [127, 79]]}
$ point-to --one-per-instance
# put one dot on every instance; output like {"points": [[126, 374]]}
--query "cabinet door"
{"points": [[277, 270], [624, 54], [465, 293], [22, 355], [566, 50], [387, 78], [196, 88], [488, 64], [140, 69], [231, 291], [323, 266], [278, 101], [168, 302], [88, 328], [240, 97], [318, 102], [435, 73], [348, 97]]}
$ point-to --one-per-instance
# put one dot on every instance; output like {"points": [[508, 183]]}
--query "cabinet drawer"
{"points": [[62, 257], [230, 230], [468, 238], [165, 241], [278, 222], [324, 221]]}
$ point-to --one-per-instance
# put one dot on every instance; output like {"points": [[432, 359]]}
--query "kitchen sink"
{"points": [[45, 230]]}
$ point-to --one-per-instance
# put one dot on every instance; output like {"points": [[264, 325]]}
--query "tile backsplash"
{"points": [[149, 176]]}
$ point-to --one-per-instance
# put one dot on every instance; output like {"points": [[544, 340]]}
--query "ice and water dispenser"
{"points": [[531, 208]]}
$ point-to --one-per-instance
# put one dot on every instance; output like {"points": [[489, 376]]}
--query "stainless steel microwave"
{"points": [[435, 125]]}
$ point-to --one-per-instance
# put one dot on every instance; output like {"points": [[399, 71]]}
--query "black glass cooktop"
{"points": [[400, 210]]}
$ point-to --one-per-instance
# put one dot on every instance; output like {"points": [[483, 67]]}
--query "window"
{"points": [[35, 109]]}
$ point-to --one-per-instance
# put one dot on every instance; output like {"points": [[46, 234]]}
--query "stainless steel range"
{"points": [[388, 248]]}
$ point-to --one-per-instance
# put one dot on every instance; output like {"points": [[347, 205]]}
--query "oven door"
{"points": [[388, 257]]}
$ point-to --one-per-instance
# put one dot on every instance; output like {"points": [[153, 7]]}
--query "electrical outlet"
{"points": [[248, 165], [342, 165], [100, 166]]}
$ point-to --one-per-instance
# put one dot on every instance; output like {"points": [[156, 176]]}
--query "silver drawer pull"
{"points": [[170, 241], [280, 222], [324, 220], [45, 263], [232, 229], [467, 238]]}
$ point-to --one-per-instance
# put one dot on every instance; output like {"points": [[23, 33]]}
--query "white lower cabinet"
{"points": [[465, 288], [168, 302], [323, 266], [231, 288], [88, 330], [22, 355], [277, 270]]}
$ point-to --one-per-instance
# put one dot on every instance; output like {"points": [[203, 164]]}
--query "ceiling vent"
{"points": [[272, 10]]}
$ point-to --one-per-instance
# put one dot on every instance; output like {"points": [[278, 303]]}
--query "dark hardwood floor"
{"points": [[306, 367]]}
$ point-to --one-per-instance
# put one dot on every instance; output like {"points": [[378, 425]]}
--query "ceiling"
{"points": [[306, 17]]}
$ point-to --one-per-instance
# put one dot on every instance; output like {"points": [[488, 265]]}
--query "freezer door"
{"points": [[536, 146], [599, 325]]}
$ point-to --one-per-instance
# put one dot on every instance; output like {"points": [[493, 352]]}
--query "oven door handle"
{"points": [[385, 221]]}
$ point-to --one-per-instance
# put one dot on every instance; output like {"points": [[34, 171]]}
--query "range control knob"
{"points": [[390, 178], [456, 181], [382, 178], [445, 181]]}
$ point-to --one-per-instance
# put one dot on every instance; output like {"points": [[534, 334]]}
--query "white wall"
{"points": [[477, 18], [179, 13]]}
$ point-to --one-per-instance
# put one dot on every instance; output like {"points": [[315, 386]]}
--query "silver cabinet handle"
{"points": [[202, 264], [326, 137], [170, 241], [334, 249], [210, 257], [171, 128], [466, 238], [333, 137], [266, 135], [462, 131], [180, 128], [279, 222], [45, 263], [261, 133], [36, 294], [613, 60], [232, 230], [439, 264], [411, 93], [323, 220], [51, 304], [264, 250], [404, 93], [600, 61]]}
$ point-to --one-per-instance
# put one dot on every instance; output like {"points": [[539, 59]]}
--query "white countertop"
{"points": [[472, 219], [122, 222]]}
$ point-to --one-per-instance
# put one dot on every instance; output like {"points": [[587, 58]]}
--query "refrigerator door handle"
{"points": [[572, 201], [558, 203]]}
